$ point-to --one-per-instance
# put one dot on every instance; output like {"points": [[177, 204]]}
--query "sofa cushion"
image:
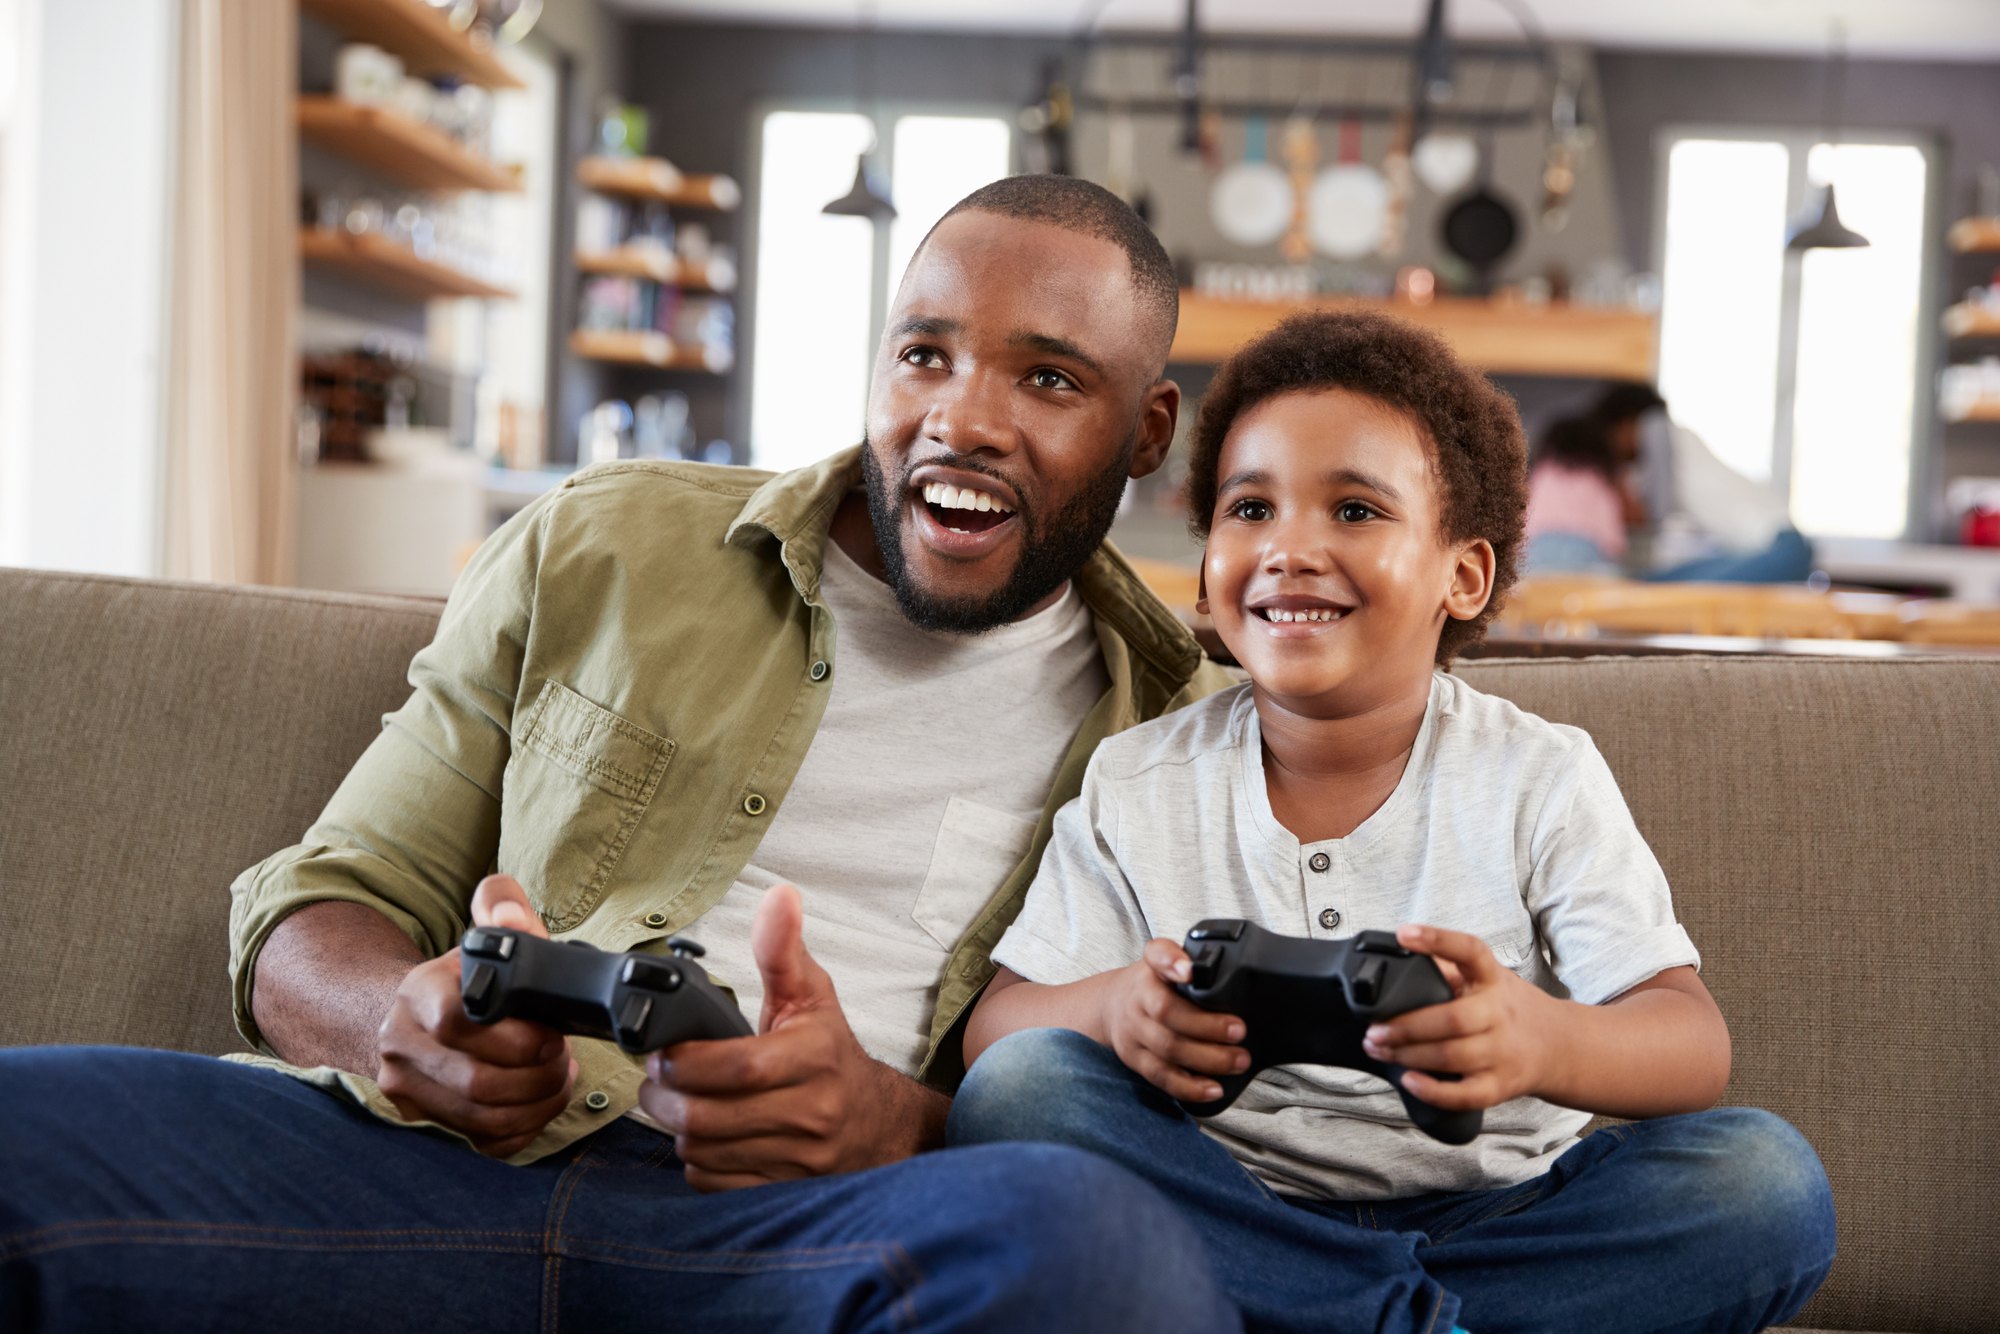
{"points": [[155, 740]]}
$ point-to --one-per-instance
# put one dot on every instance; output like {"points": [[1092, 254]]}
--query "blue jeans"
{"points": [[1788, 560], [1720, 1220], [155, 1190]]}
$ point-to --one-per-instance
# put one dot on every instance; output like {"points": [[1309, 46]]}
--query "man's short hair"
{"points": [[1478, 452], [1077, 205]]}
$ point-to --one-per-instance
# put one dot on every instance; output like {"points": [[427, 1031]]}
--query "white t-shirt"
{"points": [[917, 799], [1503, 825]]}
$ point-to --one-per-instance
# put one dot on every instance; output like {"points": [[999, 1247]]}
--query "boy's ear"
{"points": [[1471, 581], [1201, 585]]}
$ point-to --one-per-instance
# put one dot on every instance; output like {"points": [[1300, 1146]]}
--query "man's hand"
{"points": [[1164, 1037], [1494, 1034], [800, 1099], [498, 1084]]}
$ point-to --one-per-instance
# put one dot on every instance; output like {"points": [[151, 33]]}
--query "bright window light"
{"points": [[1856, 376], [1722, 292], [939, 161], [809, 370]]}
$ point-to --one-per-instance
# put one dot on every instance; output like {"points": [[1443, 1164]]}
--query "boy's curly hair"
{"points": [[1478, 451]]}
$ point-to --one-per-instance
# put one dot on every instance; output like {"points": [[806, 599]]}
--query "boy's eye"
{"points": [[1250, 511], [928, 357], [1049, 379], [1353, 511]]}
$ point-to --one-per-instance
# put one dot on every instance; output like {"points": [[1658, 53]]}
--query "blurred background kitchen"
{"points": [[317, 292]]}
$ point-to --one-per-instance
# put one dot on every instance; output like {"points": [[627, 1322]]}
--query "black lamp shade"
{"points": [[865, 199], [1824, 230]]}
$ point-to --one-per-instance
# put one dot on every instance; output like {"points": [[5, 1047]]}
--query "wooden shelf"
{"points": [[1965, 320], [642, 348], [655, 178], [1981, 410], [380, 262], [660, 265], [420, 35], [1974, 236], [1586, 342], [401, 149]]}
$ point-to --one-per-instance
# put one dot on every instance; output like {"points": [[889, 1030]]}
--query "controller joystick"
{"points": [[1308, 1002], [642, 1002]]}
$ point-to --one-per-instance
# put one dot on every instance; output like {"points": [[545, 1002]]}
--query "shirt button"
{"points": [[656, 919], [753, 804], [1329, 918], [819, 671], [1320, 861], [597, 1100]]}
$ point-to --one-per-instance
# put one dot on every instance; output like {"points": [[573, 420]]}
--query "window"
{"points": [[822, 284], [1799, 369]]}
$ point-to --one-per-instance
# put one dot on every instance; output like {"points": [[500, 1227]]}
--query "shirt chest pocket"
{"points": [[977, 848], [578, 781]]}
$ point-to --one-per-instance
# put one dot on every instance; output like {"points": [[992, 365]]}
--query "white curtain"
{"points": [[231, 467]]}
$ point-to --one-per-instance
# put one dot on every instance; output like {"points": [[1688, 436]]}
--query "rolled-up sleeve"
{"points": [[416, 822]]}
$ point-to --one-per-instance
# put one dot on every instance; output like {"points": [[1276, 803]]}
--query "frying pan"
{"points": [[1481, 227]]}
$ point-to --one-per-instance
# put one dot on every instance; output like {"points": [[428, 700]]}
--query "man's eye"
{"points": [[1250, 511], [928, 357], [1048, 379], [1354, 511]]}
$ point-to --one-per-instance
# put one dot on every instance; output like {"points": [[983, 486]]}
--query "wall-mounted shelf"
{"points": [[660, 265], [652, 178], [1965, 320], [419, 34], [1980, 410], [1974, 236], [383, 263], [1586, 342], [645, 348], [404, 150]]}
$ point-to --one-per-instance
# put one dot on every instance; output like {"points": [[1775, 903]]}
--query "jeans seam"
{"points": [[188, 1232], [551, 1238]]}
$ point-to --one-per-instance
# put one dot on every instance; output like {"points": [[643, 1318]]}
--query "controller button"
{"points": [[754, 804], [1367, 981], [597, 1100], [1329, 918], [488, 944], [1202, 966], [1320, 861], [687, 949], [632, 1018], [1219, 929], [1380, 942], [479, 986], [656, 919], [649, 974]]}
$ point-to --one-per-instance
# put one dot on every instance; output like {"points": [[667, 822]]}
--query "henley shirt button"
{"points": [[597, 1100], [656, 919], [753, 804], [1329, 918], [1320, 861], [819, 670]]}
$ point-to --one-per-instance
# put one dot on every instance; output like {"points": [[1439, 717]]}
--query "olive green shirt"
{"points": [[623, 685]]}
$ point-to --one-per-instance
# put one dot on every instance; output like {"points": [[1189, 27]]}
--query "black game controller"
{"points": [[642, 1002], [1307, 1002]]}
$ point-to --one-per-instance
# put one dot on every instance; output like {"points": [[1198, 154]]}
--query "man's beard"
{"points": [[1052, 550]]}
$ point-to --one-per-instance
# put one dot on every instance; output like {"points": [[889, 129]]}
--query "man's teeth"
{"points": [[946, 496], [1307, 614]]}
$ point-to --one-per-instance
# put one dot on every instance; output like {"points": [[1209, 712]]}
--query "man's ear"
{"points": [[1157, 415], [1471, 581]]}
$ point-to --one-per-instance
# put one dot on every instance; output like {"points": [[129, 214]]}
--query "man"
{"points": [[657, 695]]}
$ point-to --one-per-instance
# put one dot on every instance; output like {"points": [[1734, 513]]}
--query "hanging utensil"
{"points": [[1301, 155], [1348, 201], [1397, 172], [1251, 201], [1482, 226]]}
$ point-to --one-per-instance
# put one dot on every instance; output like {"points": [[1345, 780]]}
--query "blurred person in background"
{"points": [[1579, 501]]}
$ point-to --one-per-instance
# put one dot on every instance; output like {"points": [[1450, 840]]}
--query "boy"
{"points": [[1362, 499]]}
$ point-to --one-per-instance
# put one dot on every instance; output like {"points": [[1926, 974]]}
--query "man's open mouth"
{"points": [[964, 509]]}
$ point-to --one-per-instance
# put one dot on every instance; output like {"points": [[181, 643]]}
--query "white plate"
{"points": [[1445, 162], [1344, 210], [1251, 203]]}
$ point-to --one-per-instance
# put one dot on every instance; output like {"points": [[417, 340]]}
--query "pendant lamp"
{"points": [[868, 197], [1819, 227]]}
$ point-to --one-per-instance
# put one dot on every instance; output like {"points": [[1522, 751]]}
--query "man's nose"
{"points": [[970, 416]]}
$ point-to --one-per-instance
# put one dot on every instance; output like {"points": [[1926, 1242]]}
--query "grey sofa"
{"points": [[1829, 827]]}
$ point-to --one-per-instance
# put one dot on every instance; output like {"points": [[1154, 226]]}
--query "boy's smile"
{"points": [[1326, 571]]}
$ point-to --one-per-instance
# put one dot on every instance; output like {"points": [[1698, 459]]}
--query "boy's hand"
{"points": [[1494, 1034], [1165, 1037]]}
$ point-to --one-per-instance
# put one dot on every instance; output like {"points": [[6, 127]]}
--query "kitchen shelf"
{"points": [[1974, 236], [419, 34], [1966, 320], [644, 348], [1981, 410], [404, 150], [660, 265], [653, 178], [380, 262], [1586, 342]]}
